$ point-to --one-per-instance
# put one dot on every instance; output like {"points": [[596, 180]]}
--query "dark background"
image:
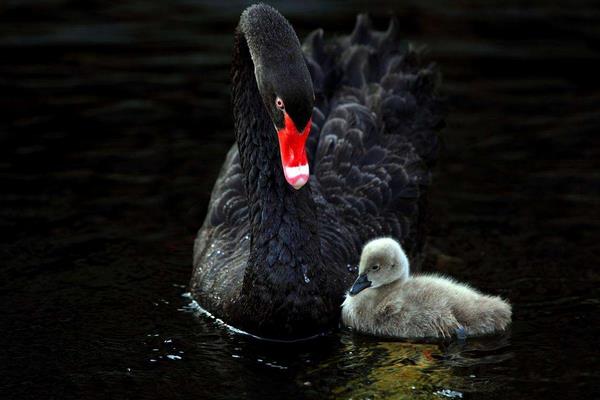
{"points": [[115, 119]]}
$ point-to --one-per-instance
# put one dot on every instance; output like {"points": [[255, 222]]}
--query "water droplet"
{"points": [[305, 273], [452, 394]]}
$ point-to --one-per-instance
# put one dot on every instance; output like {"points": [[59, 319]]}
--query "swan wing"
{"points": [[224, 237], [374, 135]]}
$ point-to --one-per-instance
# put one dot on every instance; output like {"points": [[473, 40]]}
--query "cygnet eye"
{"points": [[375, 267], [279, 104]]}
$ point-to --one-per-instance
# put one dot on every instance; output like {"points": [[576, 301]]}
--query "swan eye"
{"points": [[375, 267], [279, 104]]}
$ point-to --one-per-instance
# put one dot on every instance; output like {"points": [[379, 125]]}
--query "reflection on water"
{"points": [[115, 121], [397, 369], [393, 369]]}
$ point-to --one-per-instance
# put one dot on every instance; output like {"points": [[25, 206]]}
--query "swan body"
{"points": [[334, 143], [386, 301]]}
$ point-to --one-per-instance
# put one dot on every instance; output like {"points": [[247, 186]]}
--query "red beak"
{"points": [[293, 152]]}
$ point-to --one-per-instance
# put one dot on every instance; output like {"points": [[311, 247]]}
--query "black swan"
{"points": [[277, 249]]}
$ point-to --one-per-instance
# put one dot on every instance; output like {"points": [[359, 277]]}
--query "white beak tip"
{"points": [[296, 176], [301, 181]]}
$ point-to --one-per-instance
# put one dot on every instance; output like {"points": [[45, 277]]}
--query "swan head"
{"points": [[284, 84], [382, 261]]}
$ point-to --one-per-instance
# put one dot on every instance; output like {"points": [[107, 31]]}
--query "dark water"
{"points": [[114, 120]]}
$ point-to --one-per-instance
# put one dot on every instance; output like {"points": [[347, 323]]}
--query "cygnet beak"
{"points": [[360, 284]]}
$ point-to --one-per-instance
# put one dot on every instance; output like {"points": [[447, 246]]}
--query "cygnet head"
{"points": [[382, 261]]}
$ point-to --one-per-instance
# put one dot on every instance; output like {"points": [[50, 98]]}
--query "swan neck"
{"points": [[285, 265], [283, 219]]}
